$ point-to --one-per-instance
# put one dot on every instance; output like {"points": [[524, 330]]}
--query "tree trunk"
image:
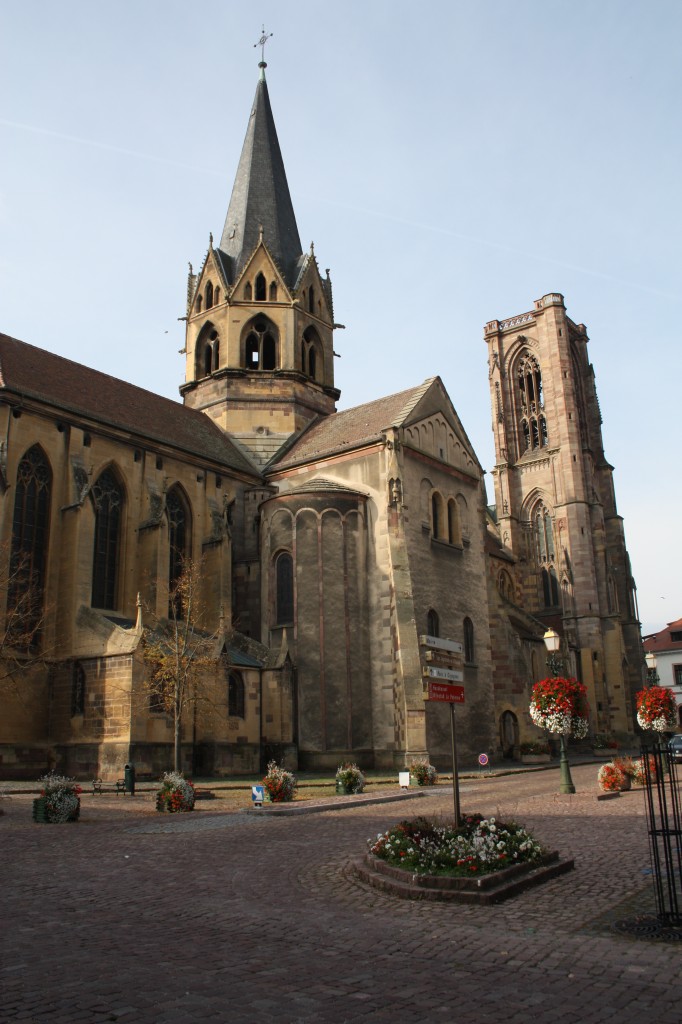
{"points": [[177, 752]]}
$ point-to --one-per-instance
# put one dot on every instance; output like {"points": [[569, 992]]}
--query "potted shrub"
{"points": [[349, 779], [422, 773], [534, 753], [638, 776], [279, 784], [612, 778], [175, 794], [59, 800]]}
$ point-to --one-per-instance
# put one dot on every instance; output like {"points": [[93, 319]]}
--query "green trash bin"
{"points": [[129, 778]]}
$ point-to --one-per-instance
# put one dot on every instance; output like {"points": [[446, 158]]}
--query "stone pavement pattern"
{"points": [[238, 918]]}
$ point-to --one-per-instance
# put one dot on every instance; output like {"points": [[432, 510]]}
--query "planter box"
{"points": [[535, 758]]}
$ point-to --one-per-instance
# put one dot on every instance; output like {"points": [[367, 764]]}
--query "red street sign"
{"points": [[444, 692]]}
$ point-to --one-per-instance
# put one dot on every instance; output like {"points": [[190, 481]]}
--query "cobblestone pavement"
{"points": [[237, 918]]}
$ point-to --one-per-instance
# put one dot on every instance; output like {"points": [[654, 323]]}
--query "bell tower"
{"points": [[260, 315], [555, 502]]}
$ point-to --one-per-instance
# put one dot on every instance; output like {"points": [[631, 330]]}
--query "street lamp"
{"points": [[555, 664], [652, 674]]}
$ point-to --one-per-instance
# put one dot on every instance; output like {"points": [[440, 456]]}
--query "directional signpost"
{"points": [[441, 675]]}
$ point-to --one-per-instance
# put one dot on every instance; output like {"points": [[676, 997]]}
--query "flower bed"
{"points": [[478, 846], [175, 794], [349, 778], [59, 800], [656, 709], [280, 785], [423, 773]]}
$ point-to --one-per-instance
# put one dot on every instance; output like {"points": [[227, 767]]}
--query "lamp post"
{"points": [[555, 664], [651, 673]]}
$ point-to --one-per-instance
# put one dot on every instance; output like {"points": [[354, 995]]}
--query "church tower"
{"points": [[556, 506], [259, 314]]}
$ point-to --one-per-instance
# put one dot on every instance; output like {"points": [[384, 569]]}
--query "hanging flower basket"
{"points": [[656, 709], [560, 706]]}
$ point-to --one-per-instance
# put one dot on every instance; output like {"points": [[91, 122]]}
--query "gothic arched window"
{"points": [[469, 649], [284, 588], [28, 557], [107, 495], [454, 527], [544, 536], [260, 288], [438, 524], [236, 703], [273, 291], [248, 293], [209, 295], [532, 421], [311, 299], [432, 623], [179, 536], [260, 346], [311, 353], [207, 351]]}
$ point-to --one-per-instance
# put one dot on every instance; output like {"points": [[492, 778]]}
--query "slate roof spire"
{"points": [[260, 196]]}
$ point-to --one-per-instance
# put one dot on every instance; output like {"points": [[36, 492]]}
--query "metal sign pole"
{"points": [[455, 774]]}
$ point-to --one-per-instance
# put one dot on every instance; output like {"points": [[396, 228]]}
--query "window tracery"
{"points": [[28, 557], [107, 496], [532, 420], [260, 351]]}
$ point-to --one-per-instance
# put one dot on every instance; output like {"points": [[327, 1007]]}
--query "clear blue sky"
{"points": [[452, 162]]}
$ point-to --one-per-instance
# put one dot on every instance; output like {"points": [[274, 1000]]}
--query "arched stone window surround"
{"points": [[179, 517], [438, 516], [469, 645], [236, 695], [529, 403], [311, 354], [108, 497], [311, 299], [216, 295], [260, 287], [272, 294], [284, 588], [28, 554], [208, 295], [199, 303], [505, 585], [248, 292], [260, 344], [207, 351], [432, 623]]}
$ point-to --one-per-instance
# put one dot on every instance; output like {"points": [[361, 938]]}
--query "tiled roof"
{"points": [[38, 374], [351, 428], [662, 641]]}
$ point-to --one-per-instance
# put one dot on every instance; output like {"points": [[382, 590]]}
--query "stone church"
{"points": [[330, 543]]}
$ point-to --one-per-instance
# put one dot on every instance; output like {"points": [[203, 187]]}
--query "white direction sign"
{"points": [[441, 644], [452, 675]]}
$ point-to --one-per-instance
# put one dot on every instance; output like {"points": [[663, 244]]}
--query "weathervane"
{"points": [[262, 41]]}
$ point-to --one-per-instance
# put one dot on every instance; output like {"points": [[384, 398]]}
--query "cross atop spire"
{"points": [[261, 42]]}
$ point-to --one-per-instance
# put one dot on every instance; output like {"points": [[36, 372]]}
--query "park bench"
{"points": [[98, 786]]}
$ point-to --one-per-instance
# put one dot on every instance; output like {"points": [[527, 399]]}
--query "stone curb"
{"points": [[341, 803]]}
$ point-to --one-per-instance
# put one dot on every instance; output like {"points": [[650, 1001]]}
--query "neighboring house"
{"points": [[330, 542], [666, 645]]}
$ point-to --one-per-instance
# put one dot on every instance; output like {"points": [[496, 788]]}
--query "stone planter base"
{"points": [[493, 888]]}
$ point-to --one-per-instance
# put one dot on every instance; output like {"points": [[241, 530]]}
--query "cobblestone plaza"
{"points": [[132, 917]]}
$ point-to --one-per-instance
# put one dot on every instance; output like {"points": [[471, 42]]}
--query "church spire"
{"points": [[260, 196]]}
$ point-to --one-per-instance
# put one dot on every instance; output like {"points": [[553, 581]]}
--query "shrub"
{"points": [[62, 798], [534, 748], [351, 777]]}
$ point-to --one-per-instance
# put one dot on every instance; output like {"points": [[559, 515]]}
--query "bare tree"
{"points": [[178, 651], [22, 641]]}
